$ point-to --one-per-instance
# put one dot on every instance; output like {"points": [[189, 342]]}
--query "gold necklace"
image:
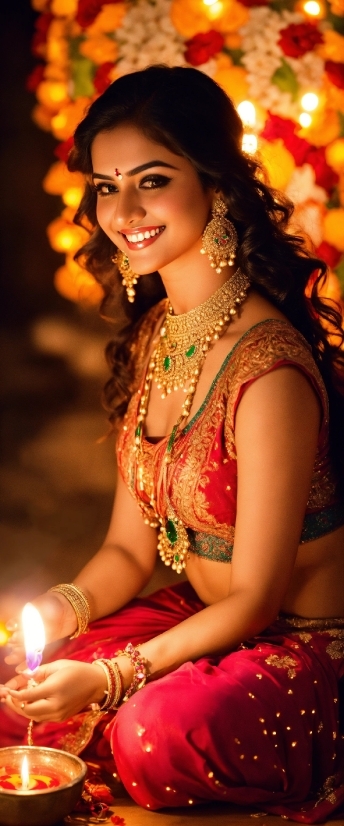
{"points": [[185, 341]]}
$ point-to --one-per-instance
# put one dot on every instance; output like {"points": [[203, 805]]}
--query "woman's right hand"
{"points": [[59, 621]]}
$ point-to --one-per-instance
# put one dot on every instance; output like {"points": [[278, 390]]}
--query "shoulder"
{"points": [[267, 346]]}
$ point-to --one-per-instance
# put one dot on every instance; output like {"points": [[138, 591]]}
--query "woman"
{"points": [[227, 396]]}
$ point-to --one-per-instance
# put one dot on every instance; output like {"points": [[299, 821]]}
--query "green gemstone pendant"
{"points": [[167, 363], [171, 532], [138, 430]]}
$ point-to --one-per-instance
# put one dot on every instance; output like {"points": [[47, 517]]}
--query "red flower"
{"points": [[101, 79], [324, 174], [89, 9], [335, 72], [62, 150], [99, 792], [203, 46], [329, 254], [299, 38], [277, 127], [39, 39], [119, 821], [35, 77]]}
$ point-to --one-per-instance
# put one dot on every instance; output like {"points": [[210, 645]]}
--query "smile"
{"points": [[142, 237]]}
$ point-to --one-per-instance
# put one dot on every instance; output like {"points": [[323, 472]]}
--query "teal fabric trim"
{"points": [[323, 522], [210, 547], [223, 367]]}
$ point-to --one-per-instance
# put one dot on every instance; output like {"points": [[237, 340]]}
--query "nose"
{"points": [[128, 211]]}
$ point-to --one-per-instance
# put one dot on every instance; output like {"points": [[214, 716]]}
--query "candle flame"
{"points": [[25, 776], [34, 636]]}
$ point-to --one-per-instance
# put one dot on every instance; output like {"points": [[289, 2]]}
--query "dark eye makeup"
{"points": [[147, 182]]}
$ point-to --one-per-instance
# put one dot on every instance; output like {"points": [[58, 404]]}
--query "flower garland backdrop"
{"points": [[281, 62]]}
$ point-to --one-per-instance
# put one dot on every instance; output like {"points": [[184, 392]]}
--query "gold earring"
{"points": [[129, 277], [220, 238]]}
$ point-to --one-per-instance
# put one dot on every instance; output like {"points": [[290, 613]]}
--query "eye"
{"points": [[105, 189], [154, 181]]}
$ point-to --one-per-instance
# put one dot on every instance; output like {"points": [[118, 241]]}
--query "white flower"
{"points": [[302, 186], [147, 36]]}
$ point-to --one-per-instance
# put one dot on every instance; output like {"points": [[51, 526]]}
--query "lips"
{"points": [[141, 237]]}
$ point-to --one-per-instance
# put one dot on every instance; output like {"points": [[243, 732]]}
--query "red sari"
{"points": [[259, 726]]}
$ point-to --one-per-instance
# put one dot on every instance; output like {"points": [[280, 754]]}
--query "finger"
{"points": [[15, 655]]}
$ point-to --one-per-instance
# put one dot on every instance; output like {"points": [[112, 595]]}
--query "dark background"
{"points": [[57, 482]]}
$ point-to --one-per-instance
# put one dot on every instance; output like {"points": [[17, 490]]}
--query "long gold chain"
{"points": [[177, 359]]}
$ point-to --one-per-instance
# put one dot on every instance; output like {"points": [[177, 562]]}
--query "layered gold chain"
{"points": [[176, 363]]}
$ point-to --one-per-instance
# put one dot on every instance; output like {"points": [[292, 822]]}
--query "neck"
{"points": [[188, 287]]}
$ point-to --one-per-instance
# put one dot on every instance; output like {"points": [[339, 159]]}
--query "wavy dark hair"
{"points": [[187, 112]]}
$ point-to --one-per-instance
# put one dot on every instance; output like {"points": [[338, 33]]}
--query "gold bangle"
{"points": [[139, 664], [79, 603], [114, 684]]}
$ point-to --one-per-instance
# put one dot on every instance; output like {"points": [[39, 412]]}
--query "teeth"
{"points": [[141, 236]]}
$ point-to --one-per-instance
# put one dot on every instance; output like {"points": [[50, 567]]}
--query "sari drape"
{"points": [[258, 727]]}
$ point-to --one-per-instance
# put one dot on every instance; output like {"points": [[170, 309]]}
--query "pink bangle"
{"points": [[114, 684], [140, 669]]}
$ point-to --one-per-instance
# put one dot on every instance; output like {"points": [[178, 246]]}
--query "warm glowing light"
{"points": [[247, 113], [310, 101], [249, 144], [72, 196], [34, 636], [305, 119], [24, 773], [215, 9], [312, 7], [209, 2]]}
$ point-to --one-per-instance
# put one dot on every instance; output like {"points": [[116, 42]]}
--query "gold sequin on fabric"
{"points": [[283, 662]]}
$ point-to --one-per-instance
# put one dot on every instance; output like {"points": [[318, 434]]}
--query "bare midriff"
{"points": [[315, 589]]}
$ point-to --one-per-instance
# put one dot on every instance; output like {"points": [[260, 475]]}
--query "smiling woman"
{"points": [[226, 393]]}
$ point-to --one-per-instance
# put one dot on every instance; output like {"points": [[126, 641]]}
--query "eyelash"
{"points": [[157, 181]]}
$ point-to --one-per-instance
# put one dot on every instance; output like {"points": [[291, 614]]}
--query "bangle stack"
{"points": [[114, 684], [140, 669], [79, 603]]}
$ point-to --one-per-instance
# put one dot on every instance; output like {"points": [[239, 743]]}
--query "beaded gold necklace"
{"points": [[177, 362]]}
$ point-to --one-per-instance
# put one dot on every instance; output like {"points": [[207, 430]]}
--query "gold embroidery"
{"points": [[198, 463], [327, 791], [304, 636], [336, 649], [283, 662], [76, 741]]}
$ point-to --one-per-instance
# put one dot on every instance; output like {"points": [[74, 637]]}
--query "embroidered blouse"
{"points": [[201, 481]]}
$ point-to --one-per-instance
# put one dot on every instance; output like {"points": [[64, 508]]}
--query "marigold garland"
{"points": [[271, 52]]}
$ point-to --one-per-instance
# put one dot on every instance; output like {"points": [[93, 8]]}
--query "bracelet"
{"points": [[114, 684], [140, 669], [79, 603]]}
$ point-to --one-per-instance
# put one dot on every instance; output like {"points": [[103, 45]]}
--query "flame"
{"points": [[25, 776], [34, 635]]}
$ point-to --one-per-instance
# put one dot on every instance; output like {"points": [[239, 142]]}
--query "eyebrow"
{"points": [[136, 170]]}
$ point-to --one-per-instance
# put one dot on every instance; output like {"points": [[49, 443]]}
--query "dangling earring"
{"points": [[129, 277], [220, 238]]}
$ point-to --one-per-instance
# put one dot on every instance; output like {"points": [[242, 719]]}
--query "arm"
{"points": [[115, 575]]}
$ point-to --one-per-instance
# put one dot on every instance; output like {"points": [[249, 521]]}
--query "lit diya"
{"points": [[38, 786]]}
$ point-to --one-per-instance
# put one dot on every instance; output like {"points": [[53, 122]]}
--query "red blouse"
{"points": [[201, 480]]}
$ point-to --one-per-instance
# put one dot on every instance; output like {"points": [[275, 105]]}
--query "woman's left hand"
{"points": [[64, 688]]}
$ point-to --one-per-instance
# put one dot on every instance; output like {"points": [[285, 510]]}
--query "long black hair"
{"points": [[183, 109]]}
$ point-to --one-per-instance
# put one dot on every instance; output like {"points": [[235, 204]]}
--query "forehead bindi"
{"points": [[127, 152]]}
